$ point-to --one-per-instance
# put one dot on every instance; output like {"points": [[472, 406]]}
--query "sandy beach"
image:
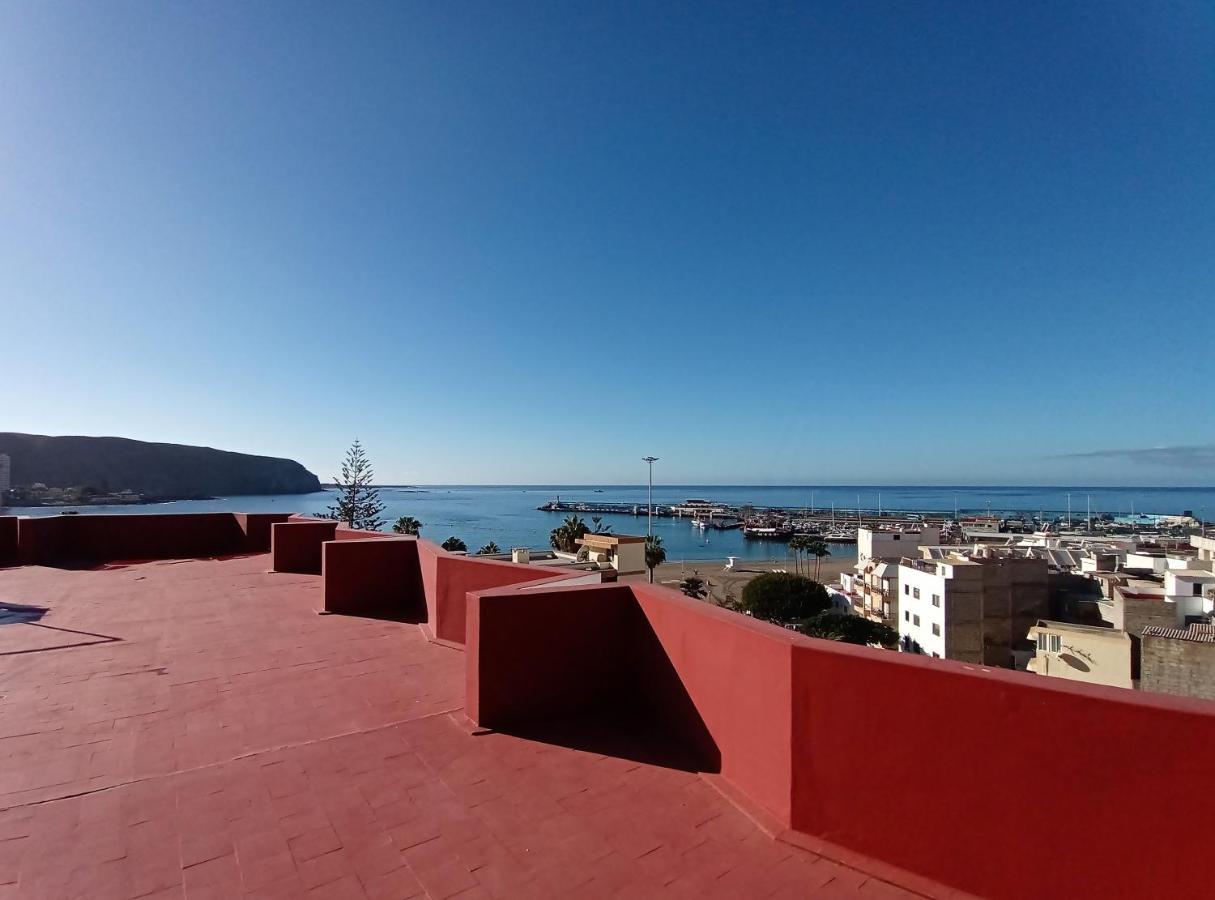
{"points": [[723, 583]]}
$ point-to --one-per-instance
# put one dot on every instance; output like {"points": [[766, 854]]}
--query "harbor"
{"points": [[839, 525]]}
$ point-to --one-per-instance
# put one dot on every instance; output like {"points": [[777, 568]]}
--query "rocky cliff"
{"points": [[159, 471]]}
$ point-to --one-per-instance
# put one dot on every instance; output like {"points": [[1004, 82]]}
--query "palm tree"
{"points": [[407, 525], [597, 526], [799, 544], [655, 554], [817, 548], [565, 537], [489, 548], [453, 545]]}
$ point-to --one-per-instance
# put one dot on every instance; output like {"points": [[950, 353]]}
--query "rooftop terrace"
{"points": [[193, 728]]}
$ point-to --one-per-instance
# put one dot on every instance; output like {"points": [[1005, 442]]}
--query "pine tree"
{"points": [[358, 502]]}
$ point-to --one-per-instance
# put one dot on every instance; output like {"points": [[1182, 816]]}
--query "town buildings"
{"points": [[1179, 661], [1088, 653], [874, 584], [976, 606]]}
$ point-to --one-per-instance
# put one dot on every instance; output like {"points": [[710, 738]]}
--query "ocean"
{"points": [[507, 515]]}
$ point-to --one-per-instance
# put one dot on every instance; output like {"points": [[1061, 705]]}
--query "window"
{"points": [[1055, 641], [936, 599], [915, 592], [936, 629], [906, 616], [906, 589], [1042, 641], [915, 620], [1198, 590], [897, 536]]}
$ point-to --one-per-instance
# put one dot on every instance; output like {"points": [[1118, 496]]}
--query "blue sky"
{"points": [[770, 243]]}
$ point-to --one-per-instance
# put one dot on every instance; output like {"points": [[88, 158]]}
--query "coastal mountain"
{"points": [[158, 471]]}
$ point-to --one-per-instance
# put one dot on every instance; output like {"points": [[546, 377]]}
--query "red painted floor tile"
{"points": [[230, 742]]}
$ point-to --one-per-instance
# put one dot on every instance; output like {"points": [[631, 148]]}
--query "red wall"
{"points": [[256, 527], [447, 579], [367, 577], [735, 671], [457, 575], [47, 540], [547, 652], [295, 546], [1003, 784], [997, 783], [8, 539]]}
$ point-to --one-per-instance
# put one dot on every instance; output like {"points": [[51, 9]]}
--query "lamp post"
{"points": [[649, 497]]}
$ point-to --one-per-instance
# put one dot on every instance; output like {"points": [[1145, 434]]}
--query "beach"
{"points": [[723, 583]]}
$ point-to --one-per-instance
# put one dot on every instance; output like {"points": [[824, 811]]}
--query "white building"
{"points": [[875, 585], [873, 543], [976, 607]]}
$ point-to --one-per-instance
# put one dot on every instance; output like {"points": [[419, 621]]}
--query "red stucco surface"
{"points": [[296, 545], [194, 729], [61, 539]]}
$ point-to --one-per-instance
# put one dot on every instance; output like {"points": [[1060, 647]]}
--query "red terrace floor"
{"points": [[194, 729]]}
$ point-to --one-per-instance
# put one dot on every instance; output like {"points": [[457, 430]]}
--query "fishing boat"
{"points": [[768, 532], [840, 536]]}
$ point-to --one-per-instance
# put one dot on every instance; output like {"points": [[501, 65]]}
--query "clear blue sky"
{"points": [[509, 242]]}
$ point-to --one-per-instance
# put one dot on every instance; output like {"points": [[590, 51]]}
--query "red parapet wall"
{"points": [[48, 540], [735, 673], [456, 575], [8, 540], [546, 652], [424, 583], [256, 527], [990, 782], [1003, 784], [373, 577], [295, 545]]}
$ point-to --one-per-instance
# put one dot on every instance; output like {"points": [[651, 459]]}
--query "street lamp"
{"points": [[649, 497]]}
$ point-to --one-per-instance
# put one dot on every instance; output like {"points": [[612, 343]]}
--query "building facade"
{"points": [[1087, 653], [1179, 661], [974, 607]]}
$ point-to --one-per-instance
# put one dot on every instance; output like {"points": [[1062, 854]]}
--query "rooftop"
{"points": [[197, 726], [1094, 630], [189, 726], [1197, 632]]}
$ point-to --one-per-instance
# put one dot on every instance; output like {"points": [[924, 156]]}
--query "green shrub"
{"points": [[782, 597]]}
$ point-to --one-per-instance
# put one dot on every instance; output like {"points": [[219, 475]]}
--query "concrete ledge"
{"points": [[373, 577], [8, 540], [295, 546], [85, 538]]}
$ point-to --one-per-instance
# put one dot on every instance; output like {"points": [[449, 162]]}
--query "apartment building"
{"points": [[874, 587], [972, 606]]}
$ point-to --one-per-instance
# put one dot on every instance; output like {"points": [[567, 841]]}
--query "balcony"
{"points": [[190, 725]]}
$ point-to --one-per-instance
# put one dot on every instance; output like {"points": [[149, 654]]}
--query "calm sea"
{"points": [[507, 515]]}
